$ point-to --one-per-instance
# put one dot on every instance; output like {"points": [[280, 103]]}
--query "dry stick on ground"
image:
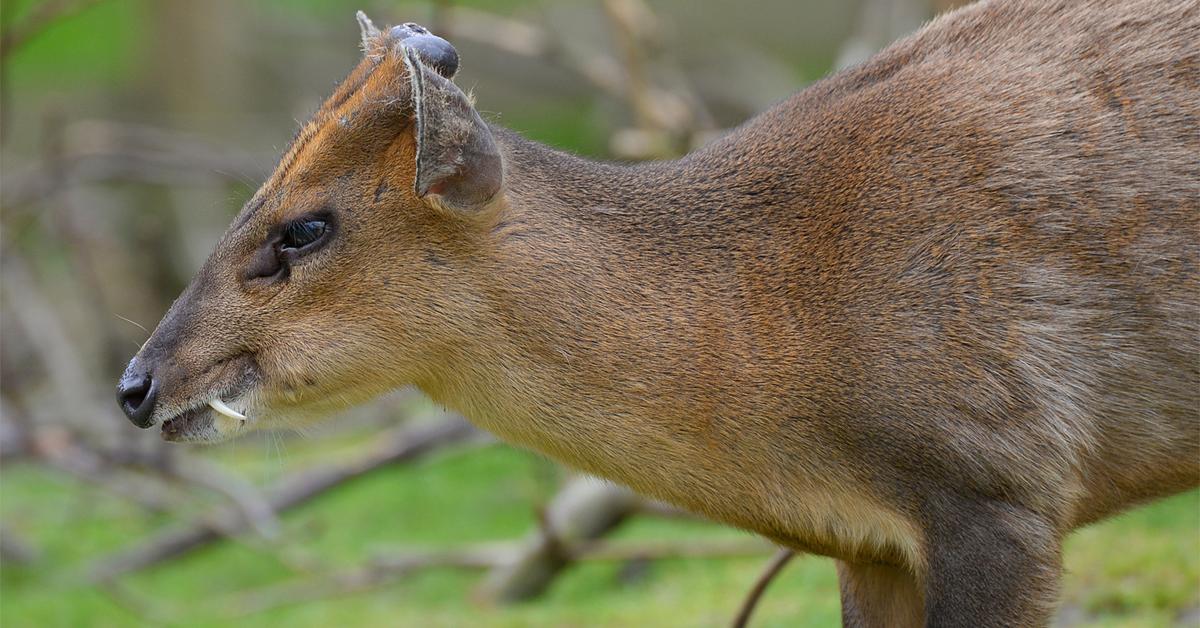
{"points": [[392, 566], [776, 565], [256, 510], [60, 450], [403, 445], [63, 449], [57, 448], [374, 574], [583, 510]]}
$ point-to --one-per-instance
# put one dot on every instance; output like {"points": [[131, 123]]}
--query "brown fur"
{"points": [[925, 317]]}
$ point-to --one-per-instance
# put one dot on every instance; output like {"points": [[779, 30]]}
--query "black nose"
{"points": [[137, 393]]}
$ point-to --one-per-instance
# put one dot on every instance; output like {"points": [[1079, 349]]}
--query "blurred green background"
{"points": [[133, 130]]}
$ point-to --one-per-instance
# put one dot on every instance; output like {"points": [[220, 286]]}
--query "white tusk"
{"points": [[222, 408]]}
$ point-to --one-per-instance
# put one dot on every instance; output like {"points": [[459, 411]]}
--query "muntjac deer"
{"points": [[925, 317]]}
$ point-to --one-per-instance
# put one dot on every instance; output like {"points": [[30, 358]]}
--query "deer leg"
{"points": [[879, 596], [991, 564]]}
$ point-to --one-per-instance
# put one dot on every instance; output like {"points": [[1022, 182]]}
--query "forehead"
{"points": [[377, 89]]}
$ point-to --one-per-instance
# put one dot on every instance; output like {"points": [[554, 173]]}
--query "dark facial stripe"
{"points": [[345, 91]]}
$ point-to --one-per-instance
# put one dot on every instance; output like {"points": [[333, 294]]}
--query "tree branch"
{"points": [[404, 445], [391, 566], [776, 565]]}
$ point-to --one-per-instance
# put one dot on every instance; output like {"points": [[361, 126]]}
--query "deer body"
{"points": [[925, 317]]}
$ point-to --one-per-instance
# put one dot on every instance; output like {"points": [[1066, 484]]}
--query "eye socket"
{"points": [[301, 233], [289, 242]]}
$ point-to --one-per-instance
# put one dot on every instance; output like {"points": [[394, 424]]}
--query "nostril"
{"points": [[135, 394], [132, 398]]}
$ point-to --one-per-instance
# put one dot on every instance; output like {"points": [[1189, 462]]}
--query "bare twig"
{"points": [[404, 445], [668, 120], [256, 510], [376, 573], [632, 25], [140, 490], [529, 40], [394, 565], [37, 318], [776, 565], [98, 151], [585, 509]]}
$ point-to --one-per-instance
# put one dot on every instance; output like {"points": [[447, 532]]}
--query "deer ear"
{"points": [[457, 158]]}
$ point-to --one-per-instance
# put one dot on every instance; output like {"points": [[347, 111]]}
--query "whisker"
{"points": [[142, 344], [132, 322]]}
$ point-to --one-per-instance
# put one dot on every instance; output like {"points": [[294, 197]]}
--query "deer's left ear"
{"points": [[457, 158]]}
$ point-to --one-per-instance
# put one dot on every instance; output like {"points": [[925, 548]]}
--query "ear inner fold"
{"points": [[457, 157]]}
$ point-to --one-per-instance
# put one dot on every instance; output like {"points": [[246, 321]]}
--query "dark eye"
{"points": [[301, 233], [288, 243]]}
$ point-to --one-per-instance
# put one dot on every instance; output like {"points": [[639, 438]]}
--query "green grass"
{"points": [[1141, 569]]}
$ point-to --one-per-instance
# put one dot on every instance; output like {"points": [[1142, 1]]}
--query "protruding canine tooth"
{"points": [[223, 408]]}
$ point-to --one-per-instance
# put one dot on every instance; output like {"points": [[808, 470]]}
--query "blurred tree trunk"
{"points": [[196, 86]]}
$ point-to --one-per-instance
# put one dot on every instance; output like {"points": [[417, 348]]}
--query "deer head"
{"points": [[340, 278]]}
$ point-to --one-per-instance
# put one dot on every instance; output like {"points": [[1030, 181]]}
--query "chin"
{"points": [[248, 407], [205, 425]]}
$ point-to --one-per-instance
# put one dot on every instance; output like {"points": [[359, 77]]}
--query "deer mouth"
{"points": [[189, 425], [217, 417], [211, 421]]}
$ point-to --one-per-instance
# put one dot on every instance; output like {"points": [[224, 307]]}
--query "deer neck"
{"points": [[598, 311]]}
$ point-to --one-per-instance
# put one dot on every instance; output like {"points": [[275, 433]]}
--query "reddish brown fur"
{"points": [[925, 317]]}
